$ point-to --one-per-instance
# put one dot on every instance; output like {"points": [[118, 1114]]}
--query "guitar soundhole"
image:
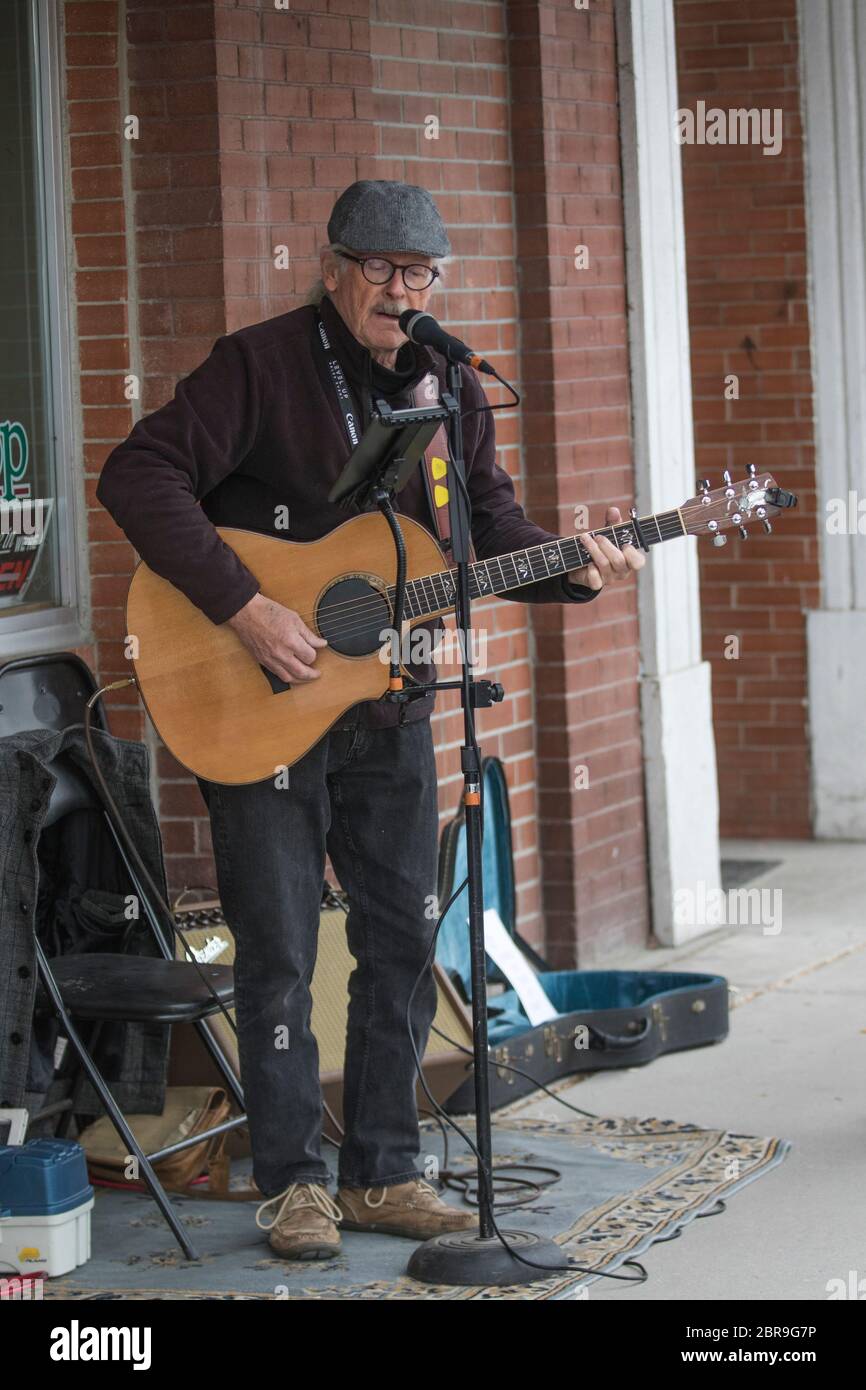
{"points": [[351, 615]]}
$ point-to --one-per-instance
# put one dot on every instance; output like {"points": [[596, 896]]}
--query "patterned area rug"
{"points": [[624, 1184]]}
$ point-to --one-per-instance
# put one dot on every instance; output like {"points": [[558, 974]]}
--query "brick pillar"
{"points": [[564, 126], [177, 292], [748, 317], [99, 228]]}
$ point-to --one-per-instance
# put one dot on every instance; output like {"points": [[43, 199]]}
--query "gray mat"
{"points": [[624, 1184]]}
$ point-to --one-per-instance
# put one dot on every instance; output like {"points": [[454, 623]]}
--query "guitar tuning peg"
{"points": [[720, 540], [703, 485], [726, 478], [768, 526], [752, 470], [744, 533]]}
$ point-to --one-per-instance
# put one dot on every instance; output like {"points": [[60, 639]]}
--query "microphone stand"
{"points": [[476, 1257]]}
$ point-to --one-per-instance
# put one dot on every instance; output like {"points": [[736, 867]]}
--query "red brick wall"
{"points": [[574, 364], [295, 126], [746, 256], [178, 296], [100, 289]]}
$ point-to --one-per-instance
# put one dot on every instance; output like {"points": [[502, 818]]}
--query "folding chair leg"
{"points": [[150, 1178]]}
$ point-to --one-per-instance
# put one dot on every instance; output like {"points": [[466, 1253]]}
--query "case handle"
{"points": [[618, 1042]]}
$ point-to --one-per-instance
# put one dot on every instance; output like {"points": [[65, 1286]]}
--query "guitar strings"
{"points": [[364, 607], [372, 601]]}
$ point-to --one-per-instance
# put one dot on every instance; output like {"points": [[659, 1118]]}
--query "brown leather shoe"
{"points": [[406, 1209], [305, 1224]]}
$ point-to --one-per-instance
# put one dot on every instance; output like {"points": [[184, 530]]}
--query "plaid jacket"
{"points": [[26, 782]]}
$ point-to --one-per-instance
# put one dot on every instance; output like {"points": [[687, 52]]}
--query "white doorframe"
{"points": [[676, 703], [833, 63]]}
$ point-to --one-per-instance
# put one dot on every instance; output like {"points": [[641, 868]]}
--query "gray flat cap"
{"points": [[384, 215]]}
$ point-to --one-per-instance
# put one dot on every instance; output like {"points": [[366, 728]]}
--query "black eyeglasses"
{"points": [[379, 271]]}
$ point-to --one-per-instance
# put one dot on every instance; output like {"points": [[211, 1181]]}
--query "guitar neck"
{"points": [[435, 593]]}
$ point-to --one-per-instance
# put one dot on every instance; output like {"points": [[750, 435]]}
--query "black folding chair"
{"points": [[51, 692]]}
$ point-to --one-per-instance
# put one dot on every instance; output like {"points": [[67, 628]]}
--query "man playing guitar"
{"points": [[256, 434]]}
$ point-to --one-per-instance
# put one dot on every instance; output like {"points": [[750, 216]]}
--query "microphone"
{"points": [[422, 328]]}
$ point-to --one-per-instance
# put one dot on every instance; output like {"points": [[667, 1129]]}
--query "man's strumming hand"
{"points": [[278, 638], [608, 561]]}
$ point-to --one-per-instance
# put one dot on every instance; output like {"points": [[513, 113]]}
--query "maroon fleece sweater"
{"points": [[255, 429]]}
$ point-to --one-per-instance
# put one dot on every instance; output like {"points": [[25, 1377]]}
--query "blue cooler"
{"points": [[45, 1205]]}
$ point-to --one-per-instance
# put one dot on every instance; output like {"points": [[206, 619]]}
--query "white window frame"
{"points": [[61, 627]]}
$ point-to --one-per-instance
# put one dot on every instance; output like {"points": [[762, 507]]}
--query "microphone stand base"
{"points": [[465, 1258]]}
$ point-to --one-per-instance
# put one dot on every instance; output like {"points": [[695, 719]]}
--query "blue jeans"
{"points": [[368, 796]]}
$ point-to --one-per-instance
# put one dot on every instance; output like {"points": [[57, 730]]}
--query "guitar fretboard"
{"points": [[435, 593]]}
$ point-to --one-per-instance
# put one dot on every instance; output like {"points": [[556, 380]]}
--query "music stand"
{"points": [[387, 453]]}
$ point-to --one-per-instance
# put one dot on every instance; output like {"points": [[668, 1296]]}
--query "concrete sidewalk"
{"points": [[793, 1066]]}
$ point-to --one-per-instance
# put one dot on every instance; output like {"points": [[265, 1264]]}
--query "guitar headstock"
{"points": [[754, 498]]}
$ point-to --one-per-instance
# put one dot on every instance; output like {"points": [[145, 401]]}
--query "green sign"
{"points": [[14, 455]]}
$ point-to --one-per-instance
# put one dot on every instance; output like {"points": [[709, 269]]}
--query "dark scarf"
{"points": [[367, 378]]}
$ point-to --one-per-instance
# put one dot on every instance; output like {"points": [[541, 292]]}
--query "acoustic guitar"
{"points": [[229, 720]]}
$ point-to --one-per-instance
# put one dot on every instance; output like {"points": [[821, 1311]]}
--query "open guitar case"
{"points": [[605, 1018]]}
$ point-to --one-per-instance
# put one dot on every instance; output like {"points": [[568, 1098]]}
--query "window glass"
{"points": [[29, 559]]}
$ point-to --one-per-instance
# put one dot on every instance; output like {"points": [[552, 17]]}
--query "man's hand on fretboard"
{"points": [[609, 562]]}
